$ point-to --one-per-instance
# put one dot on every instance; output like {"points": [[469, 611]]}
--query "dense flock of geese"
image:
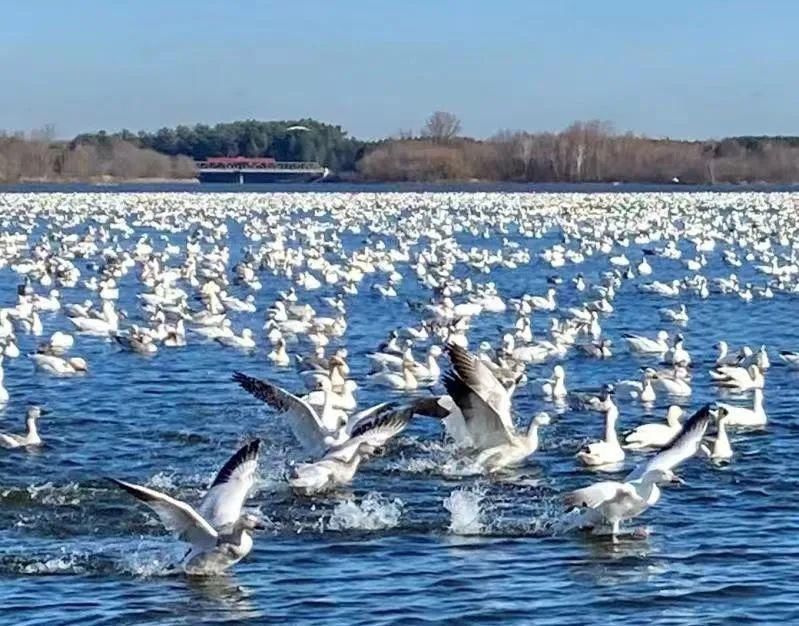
{"points": [[333, 248]]}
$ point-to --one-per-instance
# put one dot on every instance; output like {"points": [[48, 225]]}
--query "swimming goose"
{"points": [[599, 350], [683, 446], [218, 532], [674, 382], [678, 353], [60, 342], [740, 378], [279, 356], [31, 436], [555, 388], [722, 449], [645, 345], [642, 390], [654, 435], [60, 366], [404, 380], [244, 342], [790, 357], [724, 357], [608, 451], [745, 417], [670, 315]]}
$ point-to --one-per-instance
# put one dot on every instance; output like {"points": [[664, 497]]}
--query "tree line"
{"points": [[39, 157], [584, 152]]}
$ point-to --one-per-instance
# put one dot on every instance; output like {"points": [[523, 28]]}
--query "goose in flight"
{"points": [[316, 431], [612, 502], [31, 436], [218, 532], [375, 425]]}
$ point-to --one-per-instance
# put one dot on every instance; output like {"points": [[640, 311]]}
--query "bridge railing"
{"points": [[277, 165]]}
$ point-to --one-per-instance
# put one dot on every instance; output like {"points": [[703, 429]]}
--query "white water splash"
{"points": [[373, 513], [464, 506]]}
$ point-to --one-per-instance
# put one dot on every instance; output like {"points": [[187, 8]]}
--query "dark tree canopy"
{"points": [[296, 140]]}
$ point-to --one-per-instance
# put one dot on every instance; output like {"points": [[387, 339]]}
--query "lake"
{"points": [[411, 541]]}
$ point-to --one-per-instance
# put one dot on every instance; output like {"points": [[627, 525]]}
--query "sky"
{"points": [[683, 68]]}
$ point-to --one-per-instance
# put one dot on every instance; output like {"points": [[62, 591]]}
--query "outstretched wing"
{"points": [[485, 427], [481, 380], [177, 516], [376, 427], [304, 421], [683, 446], [222, 504], [592, 496]]}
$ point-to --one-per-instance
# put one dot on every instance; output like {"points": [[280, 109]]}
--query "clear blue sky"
{"points": [[684, 68]]}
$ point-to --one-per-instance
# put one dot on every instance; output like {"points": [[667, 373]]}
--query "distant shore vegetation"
{"points": [[590, 151]]}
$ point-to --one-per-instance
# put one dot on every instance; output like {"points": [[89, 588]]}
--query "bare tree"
{"points": [[441, 127]]}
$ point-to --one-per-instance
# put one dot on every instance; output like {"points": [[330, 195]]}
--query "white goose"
{"points": [[555, 388], [645, 345], [655, 435], [316, 431], [217, 530], [745, 417], [59, 366], [722, 449], [31, 436], [740, 378], [608, 451], [612, 502]]}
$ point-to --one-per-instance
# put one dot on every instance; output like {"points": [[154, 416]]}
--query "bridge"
{"points": [[243, 170]]}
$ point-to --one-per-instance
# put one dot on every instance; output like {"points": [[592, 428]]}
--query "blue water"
{"points": [[386, 550]]}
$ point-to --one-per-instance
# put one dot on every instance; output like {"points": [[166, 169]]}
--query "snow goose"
{"points": [[642, 390], [329, 472], [404, 380], [654, 435], [674, 382], [244, 342], [483, 401], [645, 345], [555, 388], [722, 449], [724, 357], [746, 417], [683, 446], [670, 315], [31, 436], [316, 431], [678, 353], [59, 366], [740, 378], [608, 502], [790, 358], [516, 451], [218, 532], [608, 451], [279, 356]]}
